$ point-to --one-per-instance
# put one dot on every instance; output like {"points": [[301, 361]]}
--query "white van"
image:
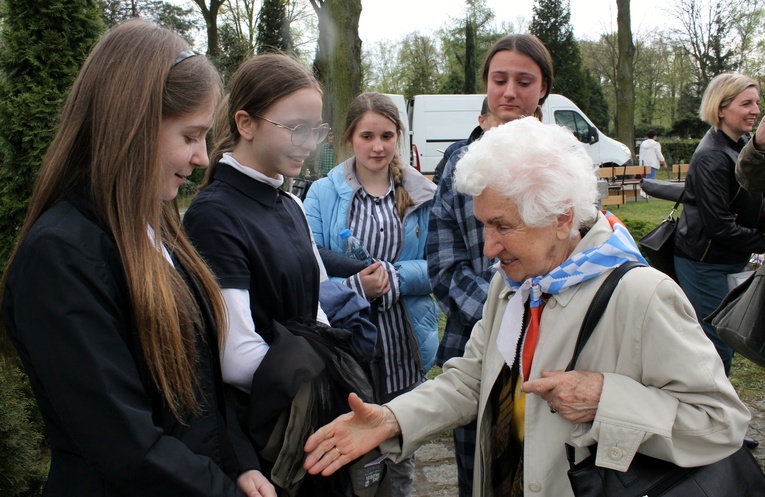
{"points": [[437, 121], [603, 151], [405, 144]]}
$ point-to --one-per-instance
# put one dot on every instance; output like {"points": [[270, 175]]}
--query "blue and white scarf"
{"points": [[582, 266]]}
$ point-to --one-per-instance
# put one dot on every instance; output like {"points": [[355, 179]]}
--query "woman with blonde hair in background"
{"points": [[720, 225]]}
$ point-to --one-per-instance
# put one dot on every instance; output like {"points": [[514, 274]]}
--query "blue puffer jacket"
{"points": [[327, 208]]}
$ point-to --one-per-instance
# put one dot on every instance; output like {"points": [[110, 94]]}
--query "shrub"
{"points": [[678, 151], [23, 454]]}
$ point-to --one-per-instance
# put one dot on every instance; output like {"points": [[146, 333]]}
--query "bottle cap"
{"points": [[345, 234]]}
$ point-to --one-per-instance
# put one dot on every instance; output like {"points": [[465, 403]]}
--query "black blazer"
{"points": [[68, 311]]}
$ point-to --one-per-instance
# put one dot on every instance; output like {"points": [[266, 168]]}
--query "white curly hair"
{"points": [[542, 168]]}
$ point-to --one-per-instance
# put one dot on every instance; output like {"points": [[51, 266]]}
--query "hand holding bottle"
{"points": [[374, 280]]}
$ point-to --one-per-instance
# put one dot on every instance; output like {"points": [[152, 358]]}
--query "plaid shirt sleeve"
{"points": [[458, 271]]}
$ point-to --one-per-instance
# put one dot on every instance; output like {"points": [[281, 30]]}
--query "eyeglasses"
{"points": [[301, 132]]}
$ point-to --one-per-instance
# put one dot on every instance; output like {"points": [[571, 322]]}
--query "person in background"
{"points": [[647, 379], [385, 204], [485, 121], [116, 318], [254, 235], [326, 157], [518, 75], [720, 225], [650, 155]]}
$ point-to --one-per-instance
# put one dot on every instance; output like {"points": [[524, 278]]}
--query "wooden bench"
{"points": [[678, 172], [615, 192], [630, 177]]}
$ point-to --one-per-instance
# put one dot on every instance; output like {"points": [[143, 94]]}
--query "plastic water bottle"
{"points": [[354, 248]]}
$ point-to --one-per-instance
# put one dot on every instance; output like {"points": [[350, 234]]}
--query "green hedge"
{"points": [[678, 151], [24, 455]]}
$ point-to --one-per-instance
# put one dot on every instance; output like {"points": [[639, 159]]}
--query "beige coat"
{"points": [[750, 168], [664, 392]]}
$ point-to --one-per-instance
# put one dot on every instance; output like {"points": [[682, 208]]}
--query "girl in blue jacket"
{"points": [[386, 205]]}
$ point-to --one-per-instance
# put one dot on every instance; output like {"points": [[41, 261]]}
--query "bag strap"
{"points": [[598, 307]]}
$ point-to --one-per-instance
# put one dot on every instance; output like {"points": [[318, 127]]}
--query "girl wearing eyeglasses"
{"points": [[386, 205], [254, 235]]}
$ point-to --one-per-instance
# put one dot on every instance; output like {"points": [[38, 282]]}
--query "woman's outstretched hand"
{"points": [[349, 437]]}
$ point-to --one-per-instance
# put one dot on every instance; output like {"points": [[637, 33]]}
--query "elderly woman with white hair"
{"points": [[648, 380]]}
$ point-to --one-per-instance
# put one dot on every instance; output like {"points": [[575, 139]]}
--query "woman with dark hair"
{"points": [[385, 204], [115, 316]]}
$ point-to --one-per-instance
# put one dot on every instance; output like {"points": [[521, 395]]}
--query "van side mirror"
{"points": [[593, 136]]}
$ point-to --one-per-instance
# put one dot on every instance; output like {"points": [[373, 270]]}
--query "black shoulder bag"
{"points": [[658, 245], [737, 475], [740, 318]]}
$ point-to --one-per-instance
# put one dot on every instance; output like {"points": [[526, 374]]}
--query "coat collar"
{"points": [[420, 188], [262, 193]]}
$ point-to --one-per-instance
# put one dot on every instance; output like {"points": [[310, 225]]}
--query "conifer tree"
{"points": [[273, 27], [42, 46], [552, 25]]}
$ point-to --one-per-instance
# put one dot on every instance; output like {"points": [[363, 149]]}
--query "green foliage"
{"points": [[552, 24], [23, 458], [597, 108], [381, 70], [642, 129], [678, 151], [273, 28], [42, 45], [464, 44], [419, 59], [172, 16], [233, 50]]}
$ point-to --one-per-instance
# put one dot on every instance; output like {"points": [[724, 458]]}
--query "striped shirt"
{"points": [[375, 222]]}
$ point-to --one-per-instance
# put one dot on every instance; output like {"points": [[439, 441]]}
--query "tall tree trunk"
{"points": [[210, 15], [625, 88], [338, 57], [470, 55]]}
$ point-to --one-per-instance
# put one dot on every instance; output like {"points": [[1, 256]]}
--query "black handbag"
{"points": [[740, 318], [737, 475], [658, 246]]}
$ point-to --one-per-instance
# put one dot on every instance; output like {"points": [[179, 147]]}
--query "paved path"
{"points": [[436, 471]]}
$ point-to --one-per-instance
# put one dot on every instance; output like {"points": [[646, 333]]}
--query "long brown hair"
{"points": [[530, 46], [108, 142], [257, 84], [384, 106]]}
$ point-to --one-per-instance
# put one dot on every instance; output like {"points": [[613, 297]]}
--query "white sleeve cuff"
{"points": [[244, 349]]}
